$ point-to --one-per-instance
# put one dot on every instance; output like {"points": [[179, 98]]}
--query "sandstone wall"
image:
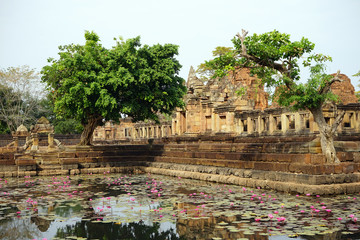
{"points": [[284, 163]]}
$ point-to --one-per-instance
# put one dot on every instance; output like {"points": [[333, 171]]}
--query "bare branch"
{"points": [[328, 84]]}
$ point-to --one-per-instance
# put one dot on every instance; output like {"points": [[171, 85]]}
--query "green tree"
{"points": [[93, 84], [61, 125], [276, 62], [206, 72]]}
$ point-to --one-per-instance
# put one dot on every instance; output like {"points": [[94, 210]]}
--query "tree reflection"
{"points": [[14, 229], [135, 230]]}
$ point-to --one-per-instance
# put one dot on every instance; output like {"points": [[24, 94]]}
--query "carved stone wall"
{"points": [[216, 107], [345, 90]]}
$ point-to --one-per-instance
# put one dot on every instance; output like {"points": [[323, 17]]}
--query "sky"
{"points": [[32, 30]]}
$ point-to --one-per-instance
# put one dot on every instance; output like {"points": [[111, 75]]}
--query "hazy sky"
{"points": [[32, 30]]}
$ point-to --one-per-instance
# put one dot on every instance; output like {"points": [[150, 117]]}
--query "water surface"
{"points": [[148, 206]]}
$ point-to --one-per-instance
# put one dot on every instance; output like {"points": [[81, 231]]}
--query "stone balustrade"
{"points": [[279, 121], [270, 121]]}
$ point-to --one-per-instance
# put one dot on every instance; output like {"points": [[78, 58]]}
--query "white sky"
{"points": [[32, 30]]}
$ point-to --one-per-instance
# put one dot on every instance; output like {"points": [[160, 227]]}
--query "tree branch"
{"points": [[263, 63], [328, 84], [338, 120]]}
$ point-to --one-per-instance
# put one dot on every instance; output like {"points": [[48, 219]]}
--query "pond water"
{"points": [[148, 206]]}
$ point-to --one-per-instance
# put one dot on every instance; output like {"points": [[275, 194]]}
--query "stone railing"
{"points": [[148, 131], [280, 121]]}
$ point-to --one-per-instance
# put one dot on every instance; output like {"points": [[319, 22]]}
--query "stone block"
{"points": [[317, 159], [265, 166], [327, 168], [67, 155], [338, 168], [70, 166], [295, 167], [345, 156], [74, 171], [69, 160], [356, 156], [22, 162], [282, 167], [248, 164], [347, 167]]}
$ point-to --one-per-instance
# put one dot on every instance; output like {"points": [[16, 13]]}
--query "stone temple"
{"points": [[216, 107], [219, 136]]}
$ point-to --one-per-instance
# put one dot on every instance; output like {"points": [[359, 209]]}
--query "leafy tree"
{"points": [[20, 92], [206, 72], [61, 125], [93, 84], [67, 126], [276, 61]]}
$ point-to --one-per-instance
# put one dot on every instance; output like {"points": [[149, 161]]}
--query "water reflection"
{"points": [[135, 230], [160, 207]]}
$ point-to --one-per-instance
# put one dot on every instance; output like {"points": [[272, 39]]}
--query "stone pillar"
{"points": [[213, 122], [284, 123], [261, 124], [272, 124], [173, 124], [250, 125], [216, 123], [35, 144], [299, 122], [357, 121], [230, 122], [353, 120], [240, 127], [51, 141]]}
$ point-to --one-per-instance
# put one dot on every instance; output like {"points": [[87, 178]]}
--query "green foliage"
{"points": [[276, 61], [61, 126], [306, 96], [4, 129], [90, 82], [67, 126], [222, 54]]}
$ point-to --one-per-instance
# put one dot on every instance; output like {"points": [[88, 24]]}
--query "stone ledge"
{"points": [[262, 174], [267, 184]]}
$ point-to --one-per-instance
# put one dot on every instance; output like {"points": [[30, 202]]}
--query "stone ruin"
{"points": [[215, 107], [31, 139]]}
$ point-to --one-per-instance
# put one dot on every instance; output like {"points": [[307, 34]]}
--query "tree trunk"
{"points": [[327, 133], [87, 134]]}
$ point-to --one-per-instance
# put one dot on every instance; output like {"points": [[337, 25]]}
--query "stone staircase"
{"points": [[48, 164]]}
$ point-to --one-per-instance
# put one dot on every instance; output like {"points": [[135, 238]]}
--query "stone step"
{"points": [[45, 167]]}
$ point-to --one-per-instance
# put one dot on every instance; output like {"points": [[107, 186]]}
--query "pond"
{"points": [[145, 206]]}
